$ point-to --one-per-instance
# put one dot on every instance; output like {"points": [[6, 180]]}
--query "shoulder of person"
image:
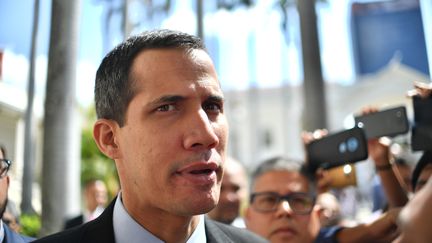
{"points": [[219, 232], [74, 221], [12, 236], [87, 233], [98, 230]]}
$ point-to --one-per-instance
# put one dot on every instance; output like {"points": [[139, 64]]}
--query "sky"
{"points": [[232, 38]]}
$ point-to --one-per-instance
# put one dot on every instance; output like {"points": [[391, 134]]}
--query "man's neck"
{"points": [[174, 229], [167, 227]]}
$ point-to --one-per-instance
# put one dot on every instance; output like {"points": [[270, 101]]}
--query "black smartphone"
{"points": [[337, 149], [422, 110], [389, 122], [421, 132]]}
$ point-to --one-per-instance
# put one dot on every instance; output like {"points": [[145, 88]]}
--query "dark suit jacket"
{"points": [[101, 230], [75, 221], [13, 237]]}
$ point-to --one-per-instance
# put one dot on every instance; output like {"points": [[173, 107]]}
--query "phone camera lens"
{"points": [[342, 148], [352, 144]]}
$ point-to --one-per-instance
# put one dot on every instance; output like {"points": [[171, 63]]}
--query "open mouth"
{"points": [[204, 171], [199, 173], [199, 168]]}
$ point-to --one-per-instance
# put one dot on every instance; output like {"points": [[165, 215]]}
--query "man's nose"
{"points": [[284, 209], [201, 132], [232, 197]]}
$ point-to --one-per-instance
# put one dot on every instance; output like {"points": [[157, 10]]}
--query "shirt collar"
{"points": [[2, 232], [127, 230]]}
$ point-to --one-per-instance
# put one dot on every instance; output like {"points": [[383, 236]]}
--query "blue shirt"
{"points": [[328, 234]]}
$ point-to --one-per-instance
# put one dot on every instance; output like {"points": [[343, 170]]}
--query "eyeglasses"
{"points": [[300, 203], [4, 167]]}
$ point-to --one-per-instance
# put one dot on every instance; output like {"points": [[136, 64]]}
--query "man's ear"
{"points": [[104, 134]]}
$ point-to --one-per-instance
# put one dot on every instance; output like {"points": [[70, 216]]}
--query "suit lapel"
{"points": [[101, 229], [214, 234]]}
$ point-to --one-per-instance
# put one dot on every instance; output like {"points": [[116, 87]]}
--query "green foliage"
{"points": [[94, 164], [30, 224]]}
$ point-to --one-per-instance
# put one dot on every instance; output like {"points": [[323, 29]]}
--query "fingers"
{"points": [[308, 137], [324, 180], [421, 89], [368, 109]]}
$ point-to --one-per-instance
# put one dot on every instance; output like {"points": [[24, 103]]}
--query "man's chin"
{"points": [[196, 207]]}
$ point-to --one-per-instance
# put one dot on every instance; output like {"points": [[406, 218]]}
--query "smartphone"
{"points": [[337, 149], [421, 132], [342, 176], [389, 122], [421, 137], [422, 109]]}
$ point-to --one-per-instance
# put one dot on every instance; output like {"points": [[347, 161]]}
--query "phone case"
{"points": [[390, 122], [340, 148]]}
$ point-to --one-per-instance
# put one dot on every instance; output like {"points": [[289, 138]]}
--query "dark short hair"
{"points": [[280, 163], [114, 87], [425, 159]]}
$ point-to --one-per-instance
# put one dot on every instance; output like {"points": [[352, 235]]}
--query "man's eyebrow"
{"points": [[167, 99], [216, 98]]}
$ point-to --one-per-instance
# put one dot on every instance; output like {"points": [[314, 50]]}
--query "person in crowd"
{"points": [[415, 218], [423, 168], [7, 235], [95, 199], [283, 209], [233, 194], [379, 153], [161, 119], [11, 217]]}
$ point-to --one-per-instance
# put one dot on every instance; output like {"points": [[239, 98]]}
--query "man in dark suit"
{"points": [[161, 119], [6, 234]]}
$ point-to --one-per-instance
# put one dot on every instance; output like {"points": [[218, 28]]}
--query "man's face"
{"points": [[171, 148], [4, 186], [283, 225], [233, 191], [96, 195]]}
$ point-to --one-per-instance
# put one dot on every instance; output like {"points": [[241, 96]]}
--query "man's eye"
{"points": [[167, 107], [213, 107]]}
